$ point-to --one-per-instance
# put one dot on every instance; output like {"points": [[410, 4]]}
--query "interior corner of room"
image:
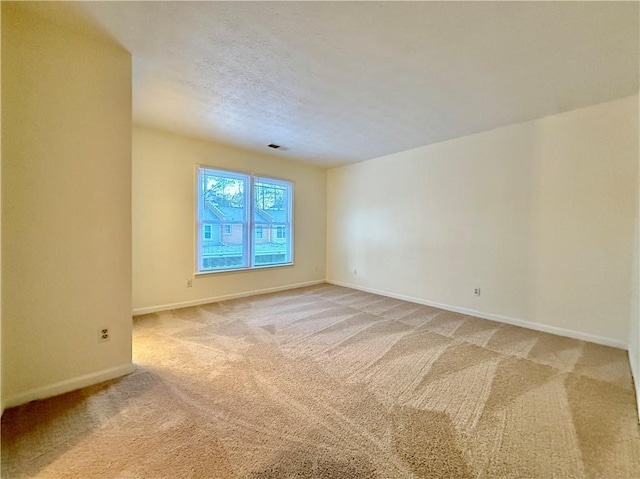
{"points": [[532, 223]]}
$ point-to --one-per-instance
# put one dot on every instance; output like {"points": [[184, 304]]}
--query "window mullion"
{"points": [[251, 237]]}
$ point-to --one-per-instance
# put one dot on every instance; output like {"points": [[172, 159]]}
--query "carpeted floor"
{"points": [[328, 382]]}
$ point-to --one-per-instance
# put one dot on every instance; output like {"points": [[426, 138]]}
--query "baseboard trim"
{"points": [[544, 328], [226, 297], [67, 385]]}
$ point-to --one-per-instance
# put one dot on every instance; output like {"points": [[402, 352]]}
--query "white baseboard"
{"points": [[67, 385], [226, 297], [592, 338]]}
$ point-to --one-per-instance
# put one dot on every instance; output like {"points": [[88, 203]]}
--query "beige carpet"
{"points": [[327, 382]]}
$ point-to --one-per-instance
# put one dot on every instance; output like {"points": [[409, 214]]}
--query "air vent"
{"points": [[277, 147]]}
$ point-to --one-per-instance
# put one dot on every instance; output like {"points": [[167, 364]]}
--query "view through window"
{"points": [[243, 221]]}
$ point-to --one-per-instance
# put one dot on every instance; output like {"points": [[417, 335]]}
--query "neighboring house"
{"points": [[223, 236]]}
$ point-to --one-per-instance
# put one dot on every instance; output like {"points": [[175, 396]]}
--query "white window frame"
{"points": [[249, 235]]}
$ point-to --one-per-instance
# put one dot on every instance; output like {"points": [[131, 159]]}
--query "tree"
{"points": [[223, 191], [269, 196]]}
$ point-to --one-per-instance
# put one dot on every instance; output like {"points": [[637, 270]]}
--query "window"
{"points": [[207, 232], [255, 215]]}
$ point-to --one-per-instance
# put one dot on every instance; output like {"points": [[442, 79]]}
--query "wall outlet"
{"points": [[355, 272], [315, 269], [104, 334], [189, 282], [476, 291]]}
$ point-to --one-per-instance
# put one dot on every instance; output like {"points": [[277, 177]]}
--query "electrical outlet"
{"points": [[104, 334], [476, 291], [315, 269], [189, 282], [355, 272]]}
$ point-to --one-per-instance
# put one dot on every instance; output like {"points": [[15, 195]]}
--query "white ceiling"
{"points": [[340, 82]]}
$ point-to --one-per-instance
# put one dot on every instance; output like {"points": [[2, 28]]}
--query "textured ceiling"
{"points": [[340, 82]]}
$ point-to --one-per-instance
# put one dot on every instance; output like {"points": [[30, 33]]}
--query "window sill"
{"points": [[242, 270]]}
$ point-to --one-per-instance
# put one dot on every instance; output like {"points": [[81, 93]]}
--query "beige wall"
{"points": [[634, 318], [634, 322], [538, 215], [164, 228], [66, 208], [1, 367]]}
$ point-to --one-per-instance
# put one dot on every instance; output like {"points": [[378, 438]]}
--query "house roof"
{"points": [[277, 216], [231, 214], [208, 216]]}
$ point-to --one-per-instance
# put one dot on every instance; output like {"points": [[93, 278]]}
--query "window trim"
{"points": [[252, 177]]}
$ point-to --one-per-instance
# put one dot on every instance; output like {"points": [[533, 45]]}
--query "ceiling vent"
{"points": [[277, 147]]}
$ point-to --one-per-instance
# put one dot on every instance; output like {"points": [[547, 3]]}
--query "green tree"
{"points": [[223, 191], [269, 196]]}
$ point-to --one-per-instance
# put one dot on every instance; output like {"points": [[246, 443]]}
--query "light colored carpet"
{"points": [[328, 382]]}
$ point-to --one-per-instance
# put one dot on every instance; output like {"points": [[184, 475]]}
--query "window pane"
{"points": [[272, 222], [272, 198], [222, 208]]}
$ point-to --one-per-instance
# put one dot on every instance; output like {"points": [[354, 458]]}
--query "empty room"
{"points": [[341, 240]]}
